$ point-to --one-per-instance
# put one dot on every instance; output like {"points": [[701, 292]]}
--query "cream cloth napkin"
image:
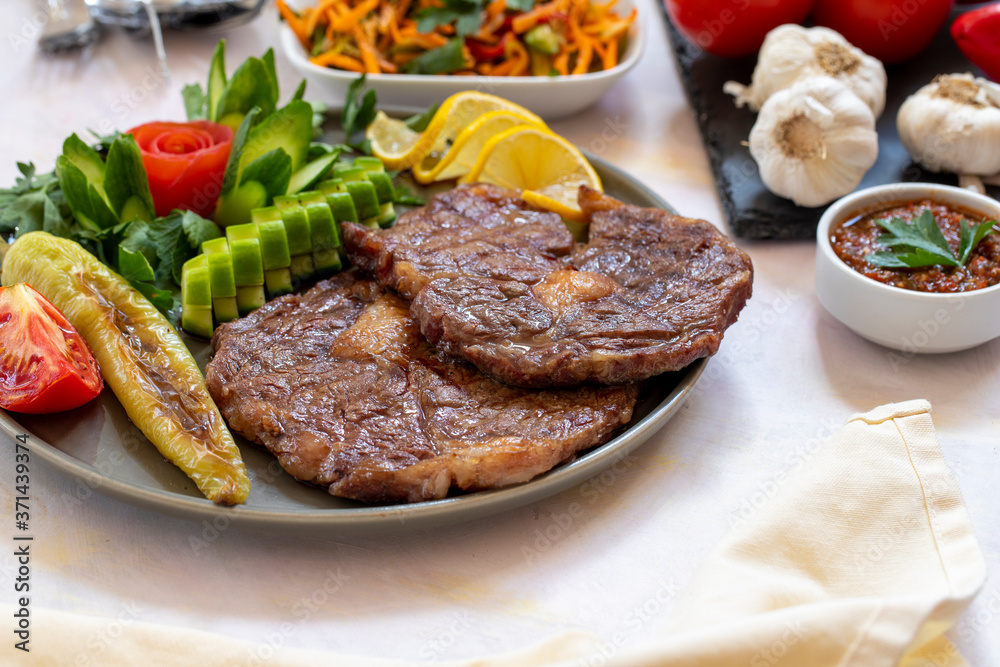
{"points": [[864, 557]]}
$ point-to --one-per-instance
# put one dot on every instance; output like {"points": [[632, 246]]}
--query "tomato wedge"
{"points": [[45, 365]]}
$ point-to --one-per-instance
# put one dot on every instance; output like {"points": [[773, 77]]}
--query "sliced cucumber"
{"points": [[216, 78], [302, 266], [286, 201], [311, 173], [220, 267], [218, 244], [297, 230], [84, 158], [326, 258], [278, 281], [249, 298], [372, 165], [323, 232], [387, 214], [274, 245], [310, 197], [322, 227], [238, 203], [299, 236], [365, 200], [197, 286], [326, 261], [342, 206], [351, 173], [196, 297], [275, 257], [197, 320], [299, 241], [385, 191], [288, 128], [225, 308], [331, 185], [383, 186], [244, 247], [265, 214]]}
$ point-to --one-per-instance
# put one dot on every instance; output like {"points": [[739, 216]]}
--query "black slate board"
{"points": [[752, 210]]}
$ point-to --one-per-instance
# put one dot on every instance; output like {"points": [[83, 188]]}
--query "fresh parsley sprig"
{"points": [[35, 202], [465, 14], [148, 255], [444, 59], [921, 243], [419, 122], [358, 113], [466, 17]]}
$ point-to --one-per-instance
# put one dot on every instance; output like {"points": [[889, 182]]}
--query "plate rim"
{"points": [[382, 518]]}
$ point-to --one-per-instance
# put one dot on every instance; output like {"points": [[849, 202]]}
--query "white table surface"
{"points": [[786, 375]]}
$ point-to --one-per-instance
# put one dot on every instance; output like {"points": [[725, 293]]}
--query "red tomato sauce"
{"points": [[855, 239]]}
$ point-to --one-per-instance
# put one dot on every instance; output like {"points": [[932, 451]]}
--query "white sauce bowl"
{"points": [[902, 319]]}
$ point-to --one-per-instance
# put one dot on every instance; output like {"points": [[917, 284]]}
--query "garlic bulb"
{"points": [[814, 142], [953, 124], [791, 53]]}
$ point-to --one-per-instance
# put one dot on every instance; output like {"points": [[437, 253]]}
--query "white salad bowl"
{"points": [[902, 319], [548, 96]]}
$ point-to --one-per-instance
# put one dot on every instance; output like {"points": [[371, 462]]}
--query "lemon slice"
{"points": [[462, 154], [399, 147], [394, 142], [547, 168]]}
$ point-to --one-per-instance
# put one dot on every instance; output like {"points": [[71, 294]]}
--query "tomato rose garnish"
{"points": [[185, 163], [45, 365]]}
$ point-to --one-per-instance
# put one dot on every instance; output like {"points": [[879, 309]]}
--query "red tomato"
{"points": [[732, 28], [977, 34], [483, 51], [890, 30], [45, 366], [185, 163]]}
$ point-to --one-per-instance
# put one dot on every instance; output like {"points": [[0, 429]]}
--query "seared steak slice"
{"points": [[339, 384], [472, 230], [651, 292]]}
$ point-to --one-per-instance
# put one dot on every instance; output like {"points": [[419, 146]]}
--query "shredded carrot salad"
{"points": [[462, 37]]}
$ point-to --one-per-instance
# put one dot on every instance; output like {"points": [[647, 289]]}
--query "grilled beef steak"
{"points": [[650, 292], [339, 384], [472, 230]]}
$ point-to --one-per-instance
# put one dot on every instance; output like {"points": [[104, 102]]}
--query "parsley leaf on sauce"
{"points": [[921, 243]]}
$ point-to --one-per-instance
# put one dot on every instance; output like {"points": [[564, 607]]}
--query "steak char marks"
{"points": [[650, 292], [472, 230], [358, 390], [339, 384]]}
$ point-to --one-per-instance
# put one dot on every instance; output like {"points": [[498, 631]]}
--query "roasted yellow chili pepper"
{"points": [[141, 357]]}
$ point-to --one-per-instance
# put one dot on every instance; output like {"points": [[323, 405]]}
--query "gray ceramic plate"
{"points": [[98, 445]]}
